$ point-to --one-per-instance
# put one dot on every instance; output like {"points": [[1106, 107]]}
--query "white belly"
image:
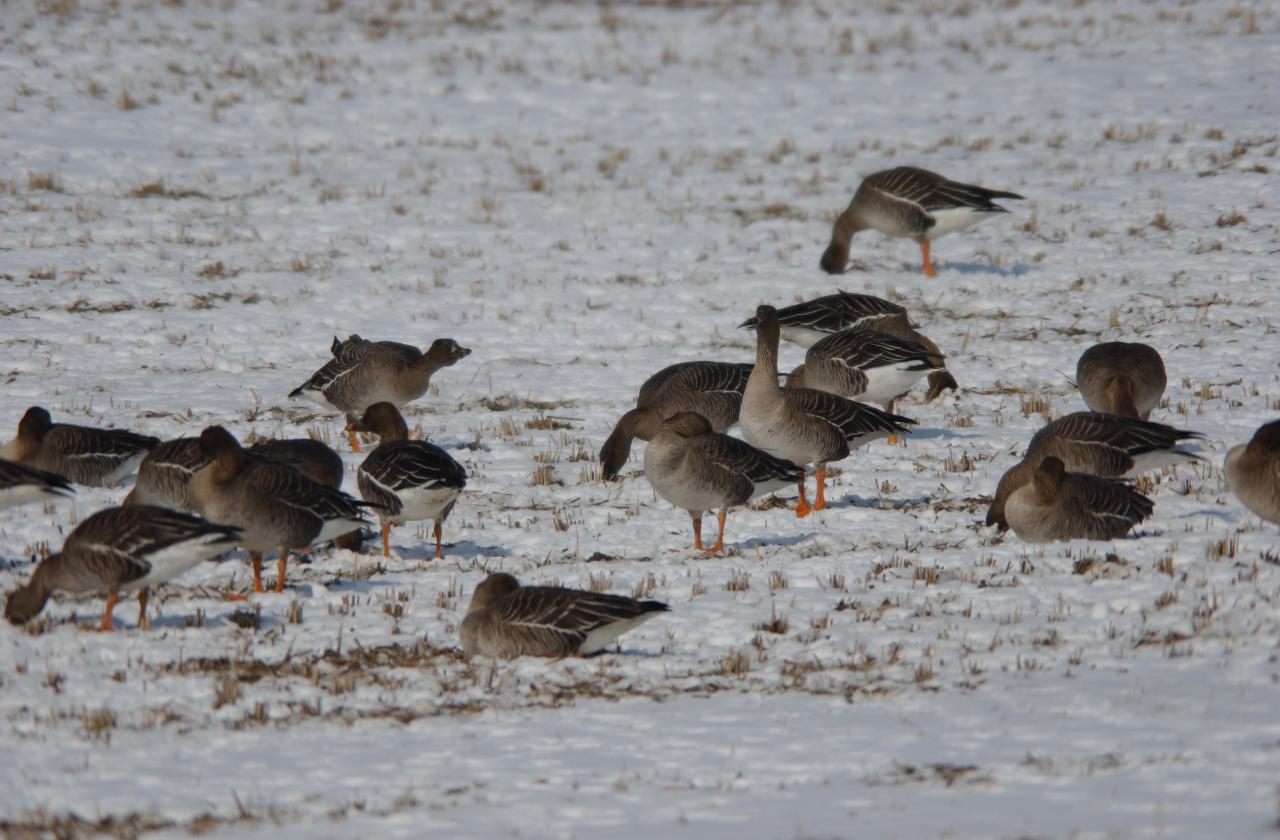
{"points": [[889, 381], [24, 494], [950, 221], [804, 336], [176, 559], [424, 503]]}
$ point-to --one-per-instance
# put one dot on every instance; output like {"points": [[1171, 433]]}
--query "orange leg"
{"points": [[281, 562], [697, 532], [386, 540], [802, 506], [353, 440], [719, 546], [924, 253], [256, 559], [820, 503], [143, 596], [112, 598], [439, 533]]}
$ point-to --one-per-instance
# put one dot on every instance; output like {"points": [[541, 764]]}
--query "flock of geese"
{"points": [[195, 498]]}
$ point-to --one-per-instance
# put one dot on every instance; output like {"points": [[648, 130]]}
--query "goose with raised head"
{"points": [[698, 469], [711, 389], [410, 480], [363, 372], [84, 454], [1122, 378], [865, 365], [1058, 506], [122, 550], [1253, 472], [911, 203], [20, 485], [802, 425], [506, 620], [1096, 444]]}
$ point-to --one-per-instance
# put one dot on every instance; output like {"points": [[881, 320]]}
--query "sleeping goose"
{"points": [[274, 505], [506, 620], [121, 550], [811, 321], [363, 372], [698, 469], [410, 479], [802, 425], [1121, 378], [20, 485], [1095, 444], [84, 454], [712, 389], [1060, 505], [911, 203], [1253, 472], [865, 365]]}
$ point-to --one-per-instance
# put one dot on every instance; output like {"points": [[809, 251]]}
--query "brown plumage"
{"points": [[84, 454], [1059, 506], [1122, 378], [1253, 472], [20, 485]]}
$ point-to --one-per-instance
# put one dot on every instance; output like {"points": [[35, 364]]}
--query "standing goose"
{"points": [[318, 462], [410, 480], [811, 321], [362, 373], [164, 476], [712, 389], [20, 485], [1095, 444], [1253, 472], [121, 550], [698, 469], [274, 505], [84, 454], [1059, 505], [865, 365], [1121, 378], [506, 620], [802, 425], [911, 203]]}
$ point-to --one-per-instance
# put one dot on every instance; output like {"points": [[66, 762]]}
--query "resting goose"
{"points": [[865, 365], [84, 454], [811, 321], [698, 469], [1095, 444], [121, 550], [410, 480], [802, 425], [164, 476], [712, 389], [506, 620], [911, 203], [1059, 505], [20, 485], [1121, 378], [363, 372], [1253, 472], [274, 505]]}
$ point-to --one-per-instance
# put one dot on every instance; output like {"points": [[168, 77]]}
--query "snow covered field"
{"points": [[195, 197]]}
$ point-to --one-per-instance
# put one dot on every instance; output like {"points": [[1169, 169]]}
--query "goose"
{"points": [[274, 505], [865, 365], [318, 462], [506, 620], [698, 469], [811, 321], [1253, 472], [409, 479], [1096, 444], [911, 203], [83, 454], [1121, 378], [712, 389], [20, 485], [164, 476], [122, 550], [802, 425], [1058, 506], [363, 372]]}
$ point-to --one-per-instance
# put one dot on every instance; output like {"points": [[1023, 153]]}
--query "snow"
{"points": [[197, 197]]}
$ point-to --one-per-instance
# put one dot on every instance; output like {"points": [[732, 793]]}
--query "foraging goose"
{"points": [[506, 620], [318, 462], [1095, 444], [865, 365], [712, 389], [911, 203], [20, 485], [121, 550], [164, 476], [811, 321], [83, 454], [1058, 505], [362, 373], [1122, 378], [410, 479], [274, 505], [1253, 472], [802, 425], [698, 469]]}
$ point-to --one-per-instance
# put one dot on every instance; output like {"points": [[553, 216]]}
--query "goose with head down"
{"points": [[1122, 378], [1059, 506]]}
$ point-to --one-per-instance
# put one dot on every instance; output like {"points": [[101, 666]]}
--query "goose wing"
{"points": [[116, 542], [863, 349], [1110, 502], [832, 313], [292, 488], [741, 458], [85, 443], [1131, 435], [14, 474], [930, 191], [555, 619], [853, 419], [699, 377]]}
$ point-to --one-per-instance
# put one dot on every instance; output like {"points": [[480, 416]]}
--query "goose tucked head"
{"points": [[1049, 477], [1016, 476], [688, 424], [34, 424], [382, 419], [491, 589], [218, 445], [1266, 439], [444, 352]]}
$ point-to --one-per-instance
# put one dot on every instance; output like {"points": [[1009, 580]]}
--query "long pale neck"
{"points": [[847, 224]]}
